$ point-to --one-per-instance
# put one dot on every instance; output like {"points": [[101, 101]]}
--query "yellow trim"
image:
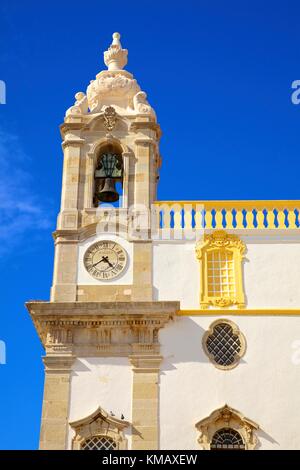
{"points": [[221, 241], [239, 312], [245, 203]]}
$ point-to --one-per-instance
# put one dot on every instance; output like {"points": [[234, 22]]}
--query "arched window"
{"points": [[224, 344], [220, 255], [99, 431], [108, 176], [227, 429], [227, 439], [99, 443]]}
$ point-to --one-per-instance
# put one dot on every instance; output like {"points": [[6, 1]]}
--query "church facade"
{"points": [[171, 324]]}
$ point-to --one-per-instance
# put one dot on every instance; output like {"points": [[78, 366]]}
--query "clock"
{"points": [[105, 260]]}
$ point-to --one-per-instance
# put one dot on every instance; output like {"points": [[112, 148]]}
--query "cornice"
{"points": [[101, 328], [136, 125], [91, 309]]}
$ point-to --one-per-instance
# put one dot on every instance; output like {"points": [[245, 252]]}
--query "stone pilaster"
{"points": [[64, 287], [145, 178], [145, 402], [71, 174], [142, 272], [54, 427]]}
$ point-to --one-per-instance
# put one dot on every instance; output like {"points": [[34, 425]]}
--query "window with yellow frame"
{"points": [[220, 255]]}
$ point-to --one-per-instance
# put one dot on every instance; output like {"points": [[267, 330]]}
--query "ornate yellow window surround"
{"points": [[220, 255]]}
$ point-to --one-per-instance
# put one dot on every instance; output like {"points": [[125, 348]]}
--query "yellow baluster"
{"points": [[229, 218], [292, 218], [249, 219], [219, 219], [281, 219], [177, 219], [208, 219], [188, 216], [260, 219], [239, 217], [198, 219], [271, 219]]}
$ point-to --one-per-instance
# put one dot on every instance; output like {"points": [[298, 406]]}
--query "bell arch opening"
{"points": [[109, 176]]}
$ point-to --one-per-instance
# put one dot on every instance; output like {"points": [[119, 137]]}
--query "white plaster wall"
{"points": [[125, 278], [265, 386], [271, 272], [100, 381]]}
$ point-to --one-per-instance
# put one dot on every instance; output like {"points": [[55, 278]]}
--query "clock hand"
{"points": [[102, 259], [105, 259]]}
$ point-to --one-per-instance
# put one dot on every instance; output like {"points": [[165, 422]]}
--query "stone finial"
{"points": [[115, 58]]}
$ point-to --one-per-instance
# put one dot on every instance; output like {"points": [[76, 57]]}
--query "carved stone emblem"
{"points": [[110, 117]]}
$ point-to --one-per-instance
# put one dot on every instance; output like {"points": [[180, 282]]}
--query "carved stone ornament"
{"points": [[117, 85], [110, 117], [141, 104], [80, 106], [95, 329], [114, 86], [99, 424], [227, 417], [115, 58]]}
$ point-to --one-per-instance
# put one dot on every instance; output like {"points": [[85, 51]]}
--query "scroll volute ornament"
{"points": [[220, 239]]}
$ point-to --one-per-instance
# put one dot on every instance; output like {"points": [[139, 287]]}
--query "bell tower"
{"points": [[111, 153], [102, 308]]}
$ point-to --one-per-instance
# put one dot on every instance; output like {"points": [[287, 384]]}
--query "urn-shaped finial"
{"points": [[115, 58]]}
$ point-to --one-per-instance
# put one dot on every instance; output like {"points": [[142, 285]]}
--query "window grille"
{"points": [[227, 439], [221, 278], [223, 345], [99, 443]]}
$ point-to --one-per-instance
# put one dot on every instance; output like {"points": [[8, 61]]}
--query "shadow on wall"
{"points": [[181, 341], [263, 435], [91, 364]]}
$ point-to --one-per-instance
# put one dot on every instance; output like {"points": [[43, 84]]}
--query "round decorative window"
{"points": [[224, 344]]}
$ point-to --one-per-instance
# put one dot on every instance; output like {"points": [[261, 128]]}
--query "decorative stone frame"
{"points": [[227, 417], [224, 242], [235, 331], [99, 423], [95, 151]]}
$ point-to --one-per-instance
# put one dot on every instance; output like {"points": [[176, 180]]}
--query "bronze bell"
{"points": [[108, 191]]}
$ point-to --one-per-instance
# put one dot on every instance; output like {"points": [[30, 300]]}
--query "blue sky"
{"points": [[219, 76]]}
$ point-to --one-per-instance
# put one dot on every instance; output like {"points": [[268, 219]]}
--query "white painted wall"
{"points": [[100, 381], [265, 386], [84, 278], [271, 272]]}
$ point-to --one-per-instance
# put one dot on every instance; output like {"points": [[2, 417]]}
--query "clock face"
{"points": [[105, 260]]}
